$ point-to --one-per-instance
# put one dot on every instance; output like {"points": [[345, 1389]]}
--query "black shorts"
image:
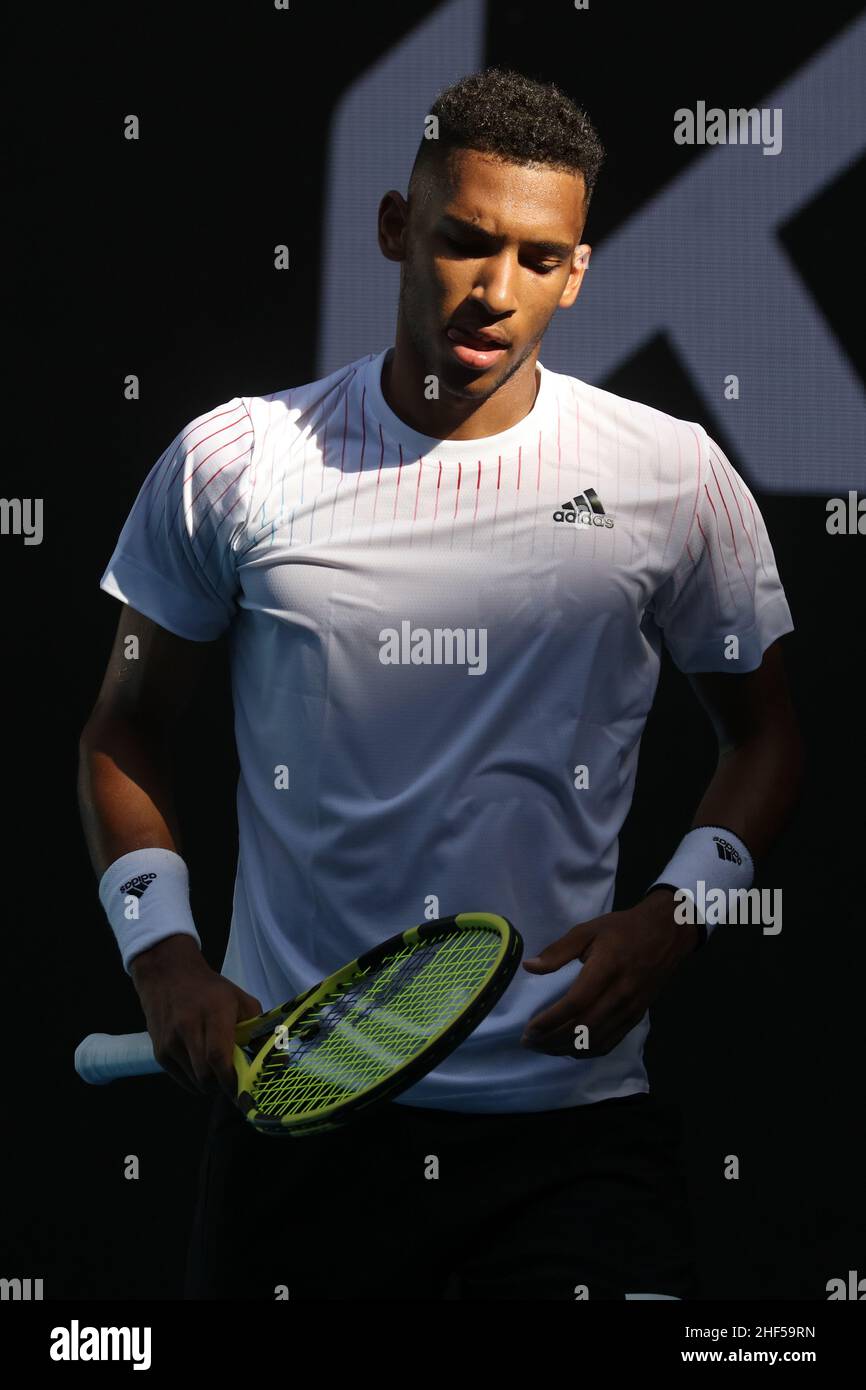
{"points": [[524, 1206]]}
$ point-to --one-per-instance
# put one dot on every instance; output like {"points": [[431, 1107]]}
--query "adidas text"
{"points": [[584, 518], [584, 509]]}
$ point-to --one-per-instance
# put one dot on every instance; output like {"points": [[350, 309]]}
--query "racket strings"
{"points": [[375, 1022]]}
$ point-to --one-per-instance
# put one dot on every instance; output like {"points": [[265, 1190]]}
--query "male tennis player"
{"points": [[446, 574]]}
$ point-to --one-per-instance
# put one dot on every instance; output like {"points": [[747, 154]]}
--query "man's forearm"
{"points": [[755, 788], [124, 791]]}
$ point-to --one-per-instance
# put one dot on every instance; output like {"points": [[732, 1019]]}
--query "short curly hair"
{"points": [[508, 115]]}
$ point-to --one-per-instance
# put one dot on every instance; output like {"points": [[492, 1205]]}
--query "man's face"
{"points": [[493, 246]]}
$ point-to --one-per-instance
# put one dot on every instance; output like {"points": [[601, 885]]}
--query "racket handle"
{"points": [[104, 1057]]}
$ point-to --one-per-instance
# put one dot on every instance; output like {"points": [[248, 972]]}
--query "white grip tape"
{"points": [[104, 1057]]}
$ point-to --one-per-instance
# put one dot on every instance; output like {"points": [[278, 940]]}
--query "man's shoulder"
{"points": [[634, 421], [293, 404]]}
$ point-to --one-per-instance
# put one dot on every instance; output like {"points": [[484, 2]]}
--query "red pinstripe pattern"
{"points": [[653, 550], [677, 497], [418, 489], [754, 522], [309, 424], [576, 399], [577, 459], [723, 465], [719, 539], [717, 485], [303, 470], [537, 490], [207, 484], [615, 414], [345, 432], [436, 508], [259, 454], [637, 474], [235, 503], [201, 463], [397, 488], [342, 462], [728, 515], [378, 477], [363, 413], [679, 494], [183, 450], [709, 554]]}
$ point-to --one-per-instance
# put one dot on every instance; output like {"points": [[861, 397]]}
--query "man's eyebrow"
{"points": [[547, 248]]}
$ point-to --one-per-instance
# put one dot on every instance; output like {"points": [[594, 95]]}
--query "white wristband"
{"points": [[709, 859], [146, 898]]}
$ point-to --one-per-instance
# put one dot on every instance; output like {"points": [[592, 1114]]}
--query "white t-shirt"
{"points": [[428, 640]]}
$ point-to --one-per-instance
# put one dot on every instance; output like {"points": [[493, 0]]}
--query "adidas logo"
{"points": [[138, 886], [584, 510], [726, 850]]}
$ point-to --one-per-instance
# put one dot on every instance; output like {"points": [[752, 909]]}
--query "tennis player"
{"points": [[446, 573]]}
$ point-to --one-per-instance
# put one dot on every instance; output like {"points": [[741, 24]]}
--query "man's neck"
{"points": [[403, 386]]}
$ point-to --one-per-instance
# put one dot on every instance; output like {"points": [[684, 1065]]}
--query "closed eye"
{"points": [[469, 249]]}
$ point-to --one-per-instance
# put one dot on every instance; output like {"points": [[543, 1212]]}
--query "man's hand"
{"points": [[628, 956], [191, 1014]]}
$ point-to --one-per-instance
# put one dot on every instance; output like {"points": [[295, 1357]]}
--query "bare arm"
{"points": [[629, 955], [124, 783], [758, 777], [125, 794]]}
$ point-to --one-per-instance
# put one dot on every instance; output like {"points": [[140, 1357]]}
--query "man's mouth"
{"points": [[475, 350]]}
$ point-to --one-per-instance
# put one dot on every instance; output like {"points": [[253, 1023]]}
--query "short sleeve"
{"points": [[725, 583], [175, 559]]}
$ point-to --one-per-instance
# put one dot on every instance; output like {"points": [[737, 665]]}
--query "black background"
{"points": [[156, 258]]}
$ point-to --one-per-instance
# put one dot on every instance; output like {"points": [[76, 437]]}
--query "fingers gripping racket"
{"points": [[356, 1039]]}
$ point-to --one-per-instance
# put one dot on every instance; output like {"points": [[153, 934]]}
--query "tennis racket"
{"points": [[356, 1039]]}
